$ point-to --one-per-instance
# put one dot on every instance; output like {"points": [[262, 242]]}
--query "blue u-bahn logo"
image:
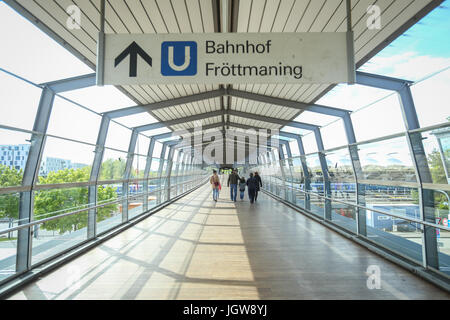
{"points": [[179, 58]]}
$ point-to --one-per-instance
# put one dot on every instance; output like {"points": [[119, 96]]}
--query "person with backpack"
{"points": [[242, 184], [215, 183], [251, 184]]}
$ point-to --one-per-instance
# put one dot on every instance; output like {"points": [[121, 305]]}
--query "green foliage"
{"points": [[437, 167], [438, 176], [9, 203], [48, 203], [112, 169], [10, 177]]}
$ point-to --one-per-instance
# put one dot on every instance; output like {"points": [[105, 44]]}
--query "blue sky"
{"points": [[422, 50]]}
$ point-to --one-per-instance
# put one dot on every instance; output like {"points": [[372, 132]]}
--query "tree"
{"points": [[54, 202], [9, 203], [438, 176], [112, 169]]}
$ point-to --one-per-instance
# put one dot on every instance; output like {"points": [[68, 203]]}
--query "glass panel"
{"points": [[380, 119], [317, 205], [113, 165], [71, 121], [443, 244], [136, 207], [14, 148], [138, 167], [352, 97], [392, 199], [111, 215], [333, 135], [432, 91], [294, 148], [19, 102], [65, 161], [315, 118], [52, 237], [344, 215], [341, 175], [153, 195], [436, 205], [118, 137], [100, 99], [9, 214], [315, 172], [50, 62], [436, 144], [396, 234], [387, 160], [142, 145], [309, 143]]}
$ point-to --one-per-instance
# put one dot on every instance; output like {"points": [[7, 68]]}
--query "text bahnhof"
{"points": [[226, 69]]}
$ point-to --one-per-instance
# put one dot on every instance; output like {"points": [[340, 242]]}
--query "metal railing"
{"points": [[90, 206]]}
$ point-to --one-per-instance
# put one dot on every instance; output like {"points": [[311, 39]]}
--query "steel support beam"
{"points": [[31, 172], [166, 103], [160, 169], [414, 139], [148, 165], [74, 83], [95, 173], [169, 170], [127, 172]]}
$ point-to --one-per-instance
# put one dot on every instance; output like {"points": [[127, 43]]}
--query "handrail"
{"points": [[376, 210], [120, 199]]}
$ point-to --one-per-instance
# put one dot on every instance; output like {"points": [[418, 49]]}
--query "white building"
{"points": [[14, 156]]}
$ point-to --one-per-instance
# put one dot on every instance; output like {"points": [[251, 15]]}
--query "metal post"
{"points": [[326, 179], [101, 46], [160, 169], [95, 173], [361, 220], [177, 171], [24, 239], [281, 160], [350, 45], [126, 174], [290, 165], [169, 171], [148, 165]]}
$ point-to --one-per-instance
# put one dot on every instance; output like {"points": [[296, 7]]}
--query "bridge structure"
{"points": [[138, 221]]}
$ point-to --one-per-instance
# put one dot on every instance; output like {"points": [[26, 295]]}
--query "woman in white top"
{"points": [[215, 183]]}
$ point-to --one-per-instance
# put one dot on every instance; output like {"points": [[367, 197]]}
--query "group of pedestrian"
{"points": [[253, 184]]}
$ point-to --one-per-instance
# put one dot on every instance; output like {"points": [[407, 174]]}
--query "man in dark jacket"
{"points": [[258, 184], [251, 185], [233, 180]]}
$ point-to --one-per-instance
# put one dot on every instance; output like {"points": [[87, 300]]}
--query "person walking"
{"points": [[251, 185], [232, 183], [215, 183], [258, 184], [242, 184]]}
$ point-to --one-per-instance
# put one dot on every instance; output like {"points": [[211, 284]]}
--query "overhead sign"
{"points": [[222, 58]]}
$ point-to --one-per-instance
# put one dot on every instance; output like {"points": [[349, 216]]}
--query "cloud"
{"points": [[407, 65]]}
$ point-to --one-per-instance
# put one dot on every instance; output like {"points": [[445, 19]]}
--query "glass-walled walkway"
{"points": [[196, 248]]}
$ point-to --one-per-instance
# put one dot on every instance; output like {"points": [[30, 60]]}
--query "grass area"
{"points": [[7, 239]]}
